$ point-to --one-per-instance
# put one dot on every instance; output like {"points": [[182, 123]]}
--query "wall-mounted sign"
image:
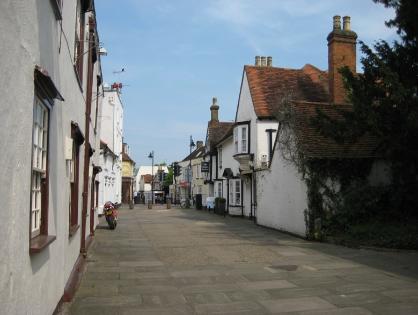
{"points": [[204, 167]]}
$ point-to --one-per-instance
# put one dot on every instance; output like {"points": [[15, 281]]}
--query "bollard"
{"points": [[131, 204], [149, 204], [168, 204]]}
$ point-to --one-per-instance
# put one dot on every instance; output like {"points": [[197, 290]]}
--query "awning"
{"points": [[76, 133], [44, 82], [228, 173]]}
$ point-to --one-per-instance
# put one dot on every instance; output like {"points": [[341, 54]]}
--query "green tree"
{"points": [[169, 177], [385, 104]]}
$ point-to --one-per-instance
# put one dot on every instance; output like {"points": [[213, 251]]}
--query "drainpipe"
{"points": [[227, 194], [270, 139], [242, 197], [87, 147], [255, 195], [251, 194]]}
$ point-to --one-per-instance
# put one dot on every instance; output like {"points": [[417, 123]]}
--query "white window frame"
{"points": [[235, 192], [244, 139], [39, 162], [241, 139], [236, 140]]}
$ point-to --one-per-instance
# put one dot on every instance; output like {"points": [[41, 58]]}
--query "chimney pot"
{"points": [[337, 22], [257, 61], [199, 144], [263, 61], [346, 23], [269, 61], [214, 110]]}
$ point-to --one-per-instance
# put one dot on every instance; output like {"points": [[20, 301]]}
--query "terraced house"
{"points": [[52, 88]]}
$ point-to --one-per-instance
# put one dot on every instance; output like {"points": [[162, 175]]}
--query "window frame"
{"points": [[244, 148], [233, 193], [38, 240], [40, 201], [241, 136]]}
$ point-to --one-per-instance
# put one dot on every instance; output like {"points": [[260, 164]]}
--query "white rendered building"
{"points": [[111, 134], [51, 87]]}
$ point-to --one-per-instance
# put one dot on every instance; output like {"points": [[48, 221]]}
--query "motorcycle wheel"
{"points": [[111, 222]]}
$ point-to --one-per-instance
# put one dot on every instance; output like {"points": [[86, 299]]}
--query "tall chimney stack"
{"points": [[341, 53], [269, 61], [214, 110], [263, 61], [257, 61]]}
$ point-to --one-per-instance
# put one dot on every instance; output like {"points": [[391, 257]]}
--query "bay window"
{"points": [[241, 139]]}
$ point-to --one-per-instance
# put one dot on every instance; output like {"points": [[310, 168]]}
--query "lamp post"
{"points": [[151, 156], [190, 168]]}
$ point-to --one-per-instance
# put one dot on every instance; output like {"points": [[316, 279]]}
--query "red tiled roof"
{"points": [[314, 145], [216, 131], [270, 85], [147, 178], [126, 157]]}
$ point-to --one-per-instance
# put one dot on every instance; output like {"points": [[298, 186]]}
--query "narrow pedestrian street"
{"points": [[184, 261]]}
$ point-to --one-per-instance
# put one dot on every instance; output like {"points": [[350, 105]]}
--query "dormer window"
{"points": [[241, 139]]}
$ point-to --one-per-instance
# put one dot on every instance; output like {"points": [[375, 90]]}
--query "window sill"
{"points": [[73, 230], [39, 243]]}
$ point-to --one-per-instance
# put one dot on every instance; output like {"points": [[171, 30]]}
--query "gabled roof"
{"points": [[217, 131], [314, 145], [147, 178], [127, 158], [199, 152], [269, 86]]}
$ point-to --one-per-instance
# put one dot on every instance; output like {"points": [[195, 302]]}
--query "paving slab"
{"points": [[184, 261]]}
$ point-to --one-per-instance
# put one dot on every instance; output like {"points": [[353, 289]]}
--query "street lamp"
{"points": [[151, 156], [190, 168]]}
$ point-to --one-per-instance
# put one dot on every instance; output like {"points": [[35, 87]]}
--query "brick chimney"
{"points": [[214, 110], [341, 52]]}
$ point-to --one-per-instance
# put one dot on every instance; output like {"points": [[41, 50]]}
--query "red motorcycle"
{"points": [[111, 214]]}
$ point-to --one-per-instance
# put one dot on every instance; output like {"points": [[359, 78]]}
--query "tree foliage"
{"points": [[385, 104]]}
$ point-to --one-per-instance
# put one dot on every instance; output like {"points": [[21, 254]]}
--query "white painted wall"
{"points": [[198, 185], [31, 35], [245, 104], [281, 197], [111, 132], [262, 142]]}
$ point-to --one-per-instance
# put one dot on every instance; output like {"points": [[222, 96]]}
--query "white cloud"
{"points": [[270, 23]]}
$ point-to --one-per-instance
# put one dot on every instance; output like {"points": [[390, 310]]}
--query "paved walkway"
{"points": [[183, 261]]}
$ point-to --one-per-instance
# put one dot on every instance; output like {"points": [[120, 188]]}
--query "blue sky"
{"points": [[179, 54]]}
